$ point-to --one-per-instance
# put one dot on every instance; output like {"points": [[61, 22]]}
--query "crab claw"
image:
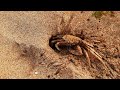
{"points": [[56, 45]]}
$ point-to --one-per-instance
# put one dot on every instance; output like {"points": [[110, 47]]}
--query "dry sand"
{"points": [[25, 50]]}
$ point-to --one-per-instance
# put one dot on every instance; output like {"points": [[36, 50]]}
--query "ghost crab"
{"points": [[64, 39], [80, 45]]}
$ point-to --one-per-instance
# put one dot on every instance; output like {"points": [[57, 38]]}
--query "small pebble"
{"points": [[35, 72]]}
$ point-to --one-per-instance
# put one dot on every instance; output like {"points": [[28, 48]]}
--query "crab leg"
{"points": [[97, 56], [86, 43], [87, 57], [100, 59], [79, 49]]}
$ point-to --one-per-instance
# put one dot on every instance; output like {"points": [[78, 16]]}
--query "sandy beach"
{"points": [[25, 52]]}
